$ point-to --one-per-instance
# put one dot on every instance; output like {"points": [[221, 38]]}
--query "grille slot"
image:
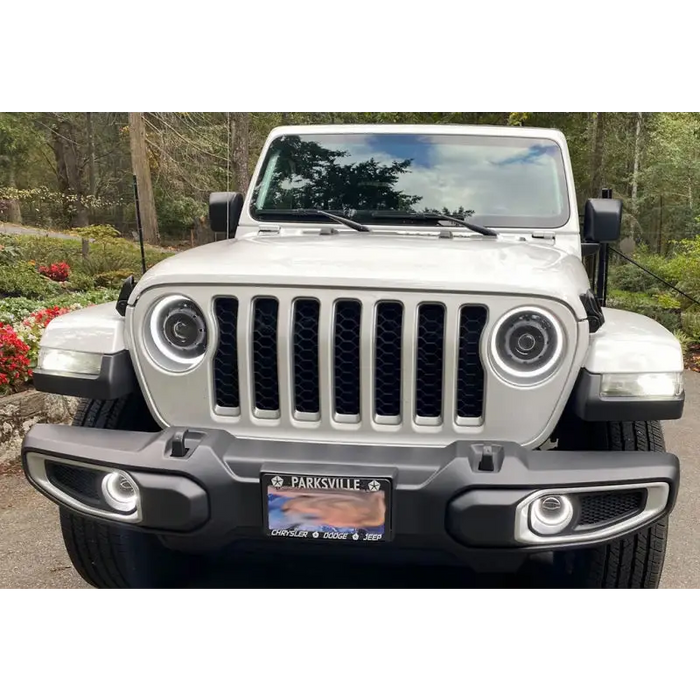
{"points": [[430, 360], [600, 508], [470, 371], [346, 357], [265, 376], [226, 358], [387, 359], [305, 343]]}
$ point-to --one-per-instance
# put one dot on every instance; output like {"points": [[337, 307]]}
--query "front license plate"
{"points": [[328, 508]]}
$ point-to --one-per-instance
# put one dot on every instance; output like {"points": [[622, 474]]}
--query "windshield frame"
{"points": [[512, 223]]}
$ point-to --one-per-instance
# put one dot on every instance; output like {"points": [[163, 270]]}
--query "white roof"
{"points": [[457, 129]]}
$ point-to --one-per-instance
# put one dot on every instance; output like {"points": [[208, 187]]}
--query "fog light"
{"points": [[551, 514], [120, 492]]}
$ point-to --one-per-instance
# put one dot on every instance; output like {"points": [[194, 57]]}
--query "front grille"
{"points": [[600, 508], [349, 360]]}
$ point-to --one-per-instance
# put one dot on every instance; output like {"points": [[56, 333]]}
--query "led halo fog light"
{"points": [[120, 492], [551, 514], [527, 344], [176, 333]]}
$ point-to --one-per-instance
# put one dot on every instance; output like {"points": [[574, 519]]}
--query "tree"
{"points": [[142, 171], [240, 150], [17, 137]]}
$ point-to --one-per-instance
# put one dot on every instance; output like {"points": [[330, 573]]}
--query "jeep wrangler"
{"points": [[394, 354]]}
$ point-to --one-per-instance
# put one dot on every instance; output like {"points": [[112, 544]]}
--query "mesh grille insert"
{"points": [[470, 372], [226, 359], [267, 397], [430, 360], [346, 357], [598, 508], [387, 359], [306, 392], [82, 484]]}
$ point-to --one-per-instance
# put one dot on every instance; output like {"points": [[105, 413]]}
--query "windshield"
{"points": [[511, 182]]}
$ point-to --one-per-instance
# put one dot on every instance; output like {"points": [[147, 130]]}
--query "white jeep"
{"points": [[396, 354]]}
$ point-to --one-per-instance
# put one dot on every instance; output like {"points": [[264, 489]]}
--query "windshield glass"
{"points": [[506, 181]]}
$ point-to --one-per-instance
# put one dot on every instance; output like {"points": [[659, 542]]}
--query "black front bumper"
{"points": [[200, 490]]}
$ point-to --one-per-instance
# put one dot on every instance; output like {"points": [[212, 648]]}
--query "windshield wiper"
{"points": [[350, 223], [433, 216], [286, 214]]}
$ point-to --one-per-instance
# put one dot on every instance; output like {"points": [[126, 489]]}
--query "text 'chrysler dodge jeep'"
{"points": [[395, 355]]}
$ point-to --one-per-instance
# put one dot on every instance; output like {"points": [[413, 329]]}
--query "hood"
{"points": [[379, 261]]}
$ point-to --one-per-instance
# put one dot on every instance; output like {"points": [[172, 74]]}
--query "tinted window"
{"points": [[497, 181]]}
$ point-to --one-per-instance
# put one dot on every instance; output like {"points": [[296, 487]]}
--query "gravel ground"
{"points": [[32, 554]]}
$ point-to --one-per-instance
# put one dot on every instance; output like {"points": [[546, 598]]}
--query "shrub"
{"points": [[97, 232], [108, 259], [22, 280], [684, 339], [14, 361], [13, 311], [58, 272], [690, 323], [31, 329], [113, 278], [80, 282], [8, 253]]}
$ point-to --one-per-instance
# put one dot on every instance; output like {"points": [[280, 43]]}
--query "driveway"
{"points": [[32, 554], [16, 229]]}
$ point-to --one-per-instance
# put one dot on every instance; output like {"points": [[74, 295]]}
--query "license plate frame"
{"points": [[294, 507]]}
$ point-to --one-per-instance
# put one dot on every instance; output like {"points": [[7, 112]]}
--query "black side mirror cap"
{"points": [[602, 222], [225, 211]]}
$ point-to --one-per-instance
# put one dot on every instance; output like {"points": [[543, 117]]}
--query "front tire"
{"points": [[113, 556], [635, 561]]}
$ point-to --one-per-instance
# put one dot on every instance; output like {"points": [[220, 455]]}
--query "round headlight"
{"points": [[527, 344], [177, 333]]}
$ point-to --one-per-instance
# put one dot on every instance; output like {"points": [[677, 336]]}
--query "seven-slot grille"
{"points": [[413, 365]]}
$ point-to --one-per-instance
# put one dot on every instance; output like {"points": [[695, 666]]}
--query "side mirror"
{"points": [[602, 222], [225, 211]]}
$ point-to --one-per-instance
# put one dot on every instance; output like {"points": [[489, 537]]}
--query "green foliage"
{"points": [[176, 212], [80, 282], [22, 280], [8, 254], [98, 232], [112, 278], [691, 325], [106, 259], [104, 256], [13, 310], [684, 339]]}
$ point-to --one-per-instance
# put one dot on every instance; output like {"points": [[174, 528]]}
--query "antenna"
{"points": [[139, 228]]}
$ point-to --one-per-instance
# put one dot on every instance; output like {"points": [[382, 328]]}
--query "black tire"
{"points": [[111, 556], [631, 562]]}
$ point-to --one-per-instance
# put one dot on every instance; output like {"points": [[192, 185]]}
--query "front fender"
{"points": [[99, 331], [628, 343]]}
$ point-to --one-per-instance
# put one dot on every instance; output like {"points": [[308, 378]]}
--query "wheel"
{"points": [[631, 562], [112, 556]]}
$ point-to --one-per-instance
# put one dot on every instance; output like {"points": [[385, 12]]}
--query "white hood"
{"points": [[381, 261]]}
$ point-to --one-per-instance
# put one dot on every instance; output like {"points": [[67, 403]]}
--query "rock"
{"points": [[19, 412]]}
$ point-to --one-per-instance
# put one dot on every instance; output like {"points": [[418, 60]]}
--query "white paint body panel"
{"points": [[471, 264], [98, 329], [630, 343]]}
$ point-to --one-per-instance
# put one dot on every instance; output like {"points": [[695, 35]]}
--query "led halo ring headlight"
{"points": [[527, 344], [176, 333]]}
